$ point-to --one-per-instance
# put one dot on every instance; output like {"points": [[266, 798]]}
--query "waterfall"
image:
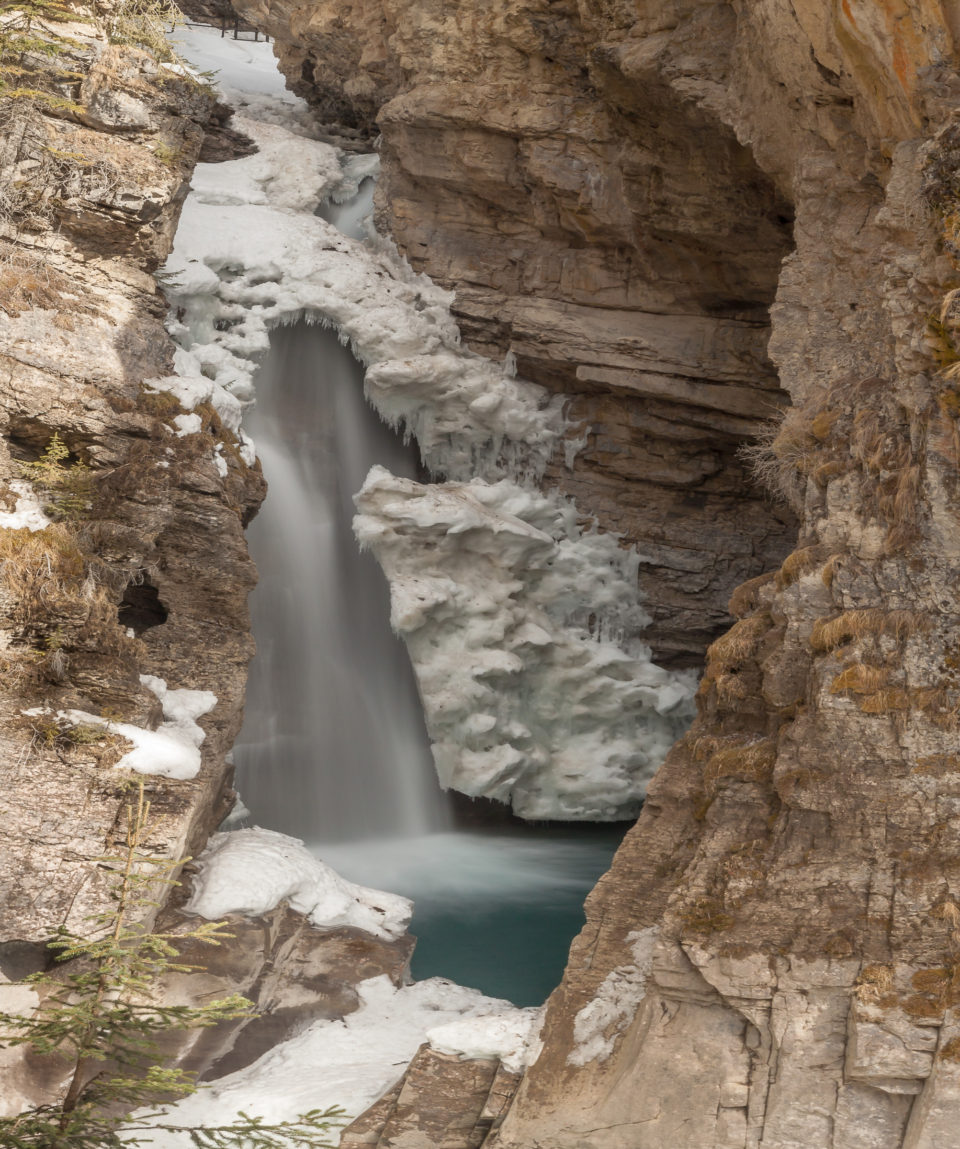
{"points": [[333, 746]]}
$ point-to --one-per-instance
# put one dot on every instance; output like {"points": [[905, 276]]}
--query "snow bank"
{"points": [[28, 510], [173, 749], [349, 1063], [510, 1035], [511, 616], [251, 871]]}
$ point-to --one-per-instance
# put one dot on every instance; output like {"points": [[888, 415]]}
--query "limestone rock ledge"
{"points": [[773, 959], [144, 571]]}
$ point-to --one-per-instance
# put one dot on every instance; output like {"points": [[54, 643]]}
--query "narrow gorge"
{"points": [[623, 339]]}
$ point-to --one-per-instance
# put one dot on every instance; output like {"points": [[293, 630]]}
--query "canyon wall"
{"points": [[621, 243], [629, 197], [110, 593], [124, 573], [145, 564]]}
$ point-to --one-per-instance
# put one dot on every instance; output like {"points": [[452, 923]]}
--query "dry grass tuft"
{"points": [[936, 765], [732, 649], [860, 679], [706, 915], [875, 985], [828, 634], [744, 599], [746, 762], [830, 568], [796, 564], [885, 701]]}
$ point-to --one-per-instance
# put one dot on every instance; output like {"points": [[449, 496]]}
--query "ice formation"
{"points": [[526, 699], [251, 871], [251, 253], [513, 616]]}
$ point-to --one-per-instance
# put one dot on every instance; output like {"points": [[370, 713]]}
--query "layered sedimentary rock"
{"points": [[619, 242], [773, 959], [137, 572]]}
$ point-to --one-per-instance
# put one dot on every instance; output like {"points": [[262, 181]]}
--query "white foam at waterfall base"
{"points": [[463, 869]]}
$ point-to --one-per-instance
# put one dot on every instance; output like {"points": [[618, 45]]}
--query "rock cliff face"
{"points": [[147, 566], [133, 584], [615, 238], [773, 959], [144, 563]]}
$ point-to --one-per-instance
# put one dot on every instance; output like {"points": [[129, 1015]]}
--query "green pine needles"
{"points": [[99, 1019], [67, 487], [31, 48]]}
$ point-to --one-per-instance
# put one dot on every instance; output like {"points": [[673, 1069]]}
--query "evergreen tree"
{"points": [[100, 1018]]}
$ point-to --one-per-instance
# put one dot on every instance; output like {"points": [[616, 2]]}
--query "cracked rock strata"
{"points": [[147, 567]]}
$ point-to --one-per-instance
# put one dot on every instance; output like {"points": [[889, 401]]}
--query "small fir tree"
{"points": [[67, 486], [101, 1019]]}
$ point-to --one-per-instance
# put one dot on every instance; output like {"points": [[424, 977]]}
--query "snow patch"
{"points": [[28, 510], [252, 871], [188, 425], [510, 1035], [172, 750], [598, 1025], [514, 619]]}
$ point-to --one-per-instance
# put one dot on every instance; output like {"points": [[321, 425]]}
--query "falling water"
{"points": [[333, 746], [351, 217]]}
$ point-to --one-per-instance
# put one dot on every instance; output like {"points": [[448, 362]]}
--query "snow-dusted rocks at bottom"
{"points": [[351, 1062], [510, 613], [251, 871]]}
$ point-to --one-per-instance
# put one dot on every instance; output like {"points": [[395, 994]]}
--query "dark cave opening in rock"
{"points": [[140, 608]]}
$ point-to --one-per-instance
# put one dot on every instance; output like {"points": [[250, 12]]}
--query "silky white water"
{"points": [[333, 745]]}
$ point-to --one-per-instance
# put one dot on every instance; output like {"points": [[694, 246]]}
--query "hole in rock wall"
{"points": [[333, 748], [141, 608]]}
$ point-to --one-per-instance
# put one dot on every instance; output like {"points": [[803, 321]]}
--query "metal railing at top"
{"points": [[234, 26]]}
